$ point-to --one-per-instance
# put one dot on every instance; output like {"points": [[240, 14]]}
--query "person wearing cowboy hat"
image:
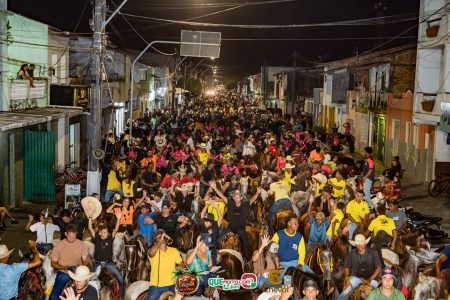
{"points": [[67, 254], [11, 273], [320, 181], [362, 265], [387, 291], [80, 289]]}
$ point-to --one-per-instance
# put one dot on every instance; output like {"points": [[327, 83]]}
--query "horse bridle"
{"points": [[321, 264]]}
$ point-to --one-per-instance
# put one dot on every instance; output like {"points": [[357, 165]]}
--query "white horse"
{"points": [[416, 258], [427, 288]]}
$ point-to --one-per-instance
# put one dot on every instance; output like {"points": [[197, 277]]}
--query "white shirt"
{"points": [[157, 204], [326, 158], [44, 232]]}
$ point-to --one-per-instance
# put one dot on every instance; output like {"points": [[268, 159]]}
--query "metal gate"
{"points": [[39, 166]]}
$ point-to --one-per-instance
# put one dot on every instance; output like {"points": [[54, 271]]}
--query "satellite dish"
{"points": [[98, 154]]}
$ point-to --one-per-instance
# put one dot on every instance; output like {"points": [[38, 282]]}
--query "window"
{"points": [[142, 74]]}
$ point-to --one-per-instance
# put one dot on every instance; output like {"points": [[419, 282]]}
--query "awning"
{"points": [[29, 117]]}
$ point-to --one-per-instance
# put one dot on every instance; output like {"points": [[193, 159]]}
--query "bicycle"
{"points": [[438, 186]]}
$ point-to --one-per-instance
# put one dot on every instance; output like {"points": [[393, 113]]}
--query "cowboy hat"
{"points": [[202, 145], [360, 240], [289, 158], [91, 204], [4, 252], [289, 166], [320, 178], [272, 139], [81, 273], [184, 187]]}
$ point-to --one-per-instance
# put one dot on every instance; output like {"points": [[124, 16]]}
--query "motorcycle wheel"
{"points": [[434, 188]]}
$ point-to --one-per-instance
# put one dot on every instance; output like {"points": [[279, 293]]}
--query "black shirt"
{"points": [[362, 266], [90, 293], [148, 177], [207, 175], [169, 224], [213, 232], [184, 203], [237, 215], [103, 248]]}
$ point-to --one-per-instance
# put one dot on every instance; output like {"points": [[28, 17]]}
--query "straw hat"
{"points": [[184, 187], [289, 166], [272, 139], [81, 273], [4, 252], [289, 158], [320, 178], [91, 204], [360, 240]]}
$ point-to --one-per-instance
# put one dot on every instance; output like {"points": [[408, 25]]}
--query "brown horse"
{"points": [[187, 236], [137, 266], [281, 219], [322, 263], [110, 288], [340, 248], [30, 286], [230, 241], [298, 280]]}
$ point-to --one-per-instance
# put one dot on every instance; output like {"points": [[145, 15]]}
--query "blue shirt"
{"points": [[446, 263], [148, 230], [318, 233], [288, 246], [199, 265], [10, 276]]}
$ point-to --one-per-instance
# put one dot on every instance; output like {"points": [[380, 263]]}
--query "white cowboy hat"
{"points": [[320, 178], [81, 273], [184, 187], [289, 166], [272, 139], [4, 252], [202, 145], [360, 240], [91, 204], [289, 158]]}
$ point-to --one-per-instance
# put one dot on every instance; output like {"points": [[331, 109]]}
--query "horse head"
{"points": [[230, 241], [231, 265], [426, 288], [186, 236]]}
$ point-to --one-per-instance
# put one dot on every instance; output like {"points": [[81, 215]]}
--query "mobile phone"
{"points": [[287, 281]]}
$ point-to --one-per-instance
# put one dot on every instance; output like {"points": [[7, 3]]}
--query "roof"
{"points": [[28, 117]]}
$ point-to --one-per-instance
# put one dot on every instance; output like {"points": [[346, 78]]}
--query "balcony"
{"points": [[22, 96]]}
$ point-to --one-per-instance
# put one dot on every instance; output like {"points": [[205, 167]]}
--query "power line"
{"points": [[357, 22], [182, 6]]}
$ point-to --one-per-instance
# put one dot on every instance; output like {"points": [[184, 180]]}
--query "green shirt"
{"points": [[376, 294]]}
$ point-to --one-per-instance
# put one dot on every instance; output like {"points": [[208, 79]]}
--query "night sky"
{"points": [[243, 57]]}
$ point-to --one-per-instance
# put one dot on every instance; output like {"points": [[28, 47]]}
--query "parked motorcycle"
{"points": [[430, 226]]}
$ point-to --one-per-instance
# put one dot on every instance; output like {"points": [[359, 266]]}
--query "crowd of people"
{"points": [[209, 164]]}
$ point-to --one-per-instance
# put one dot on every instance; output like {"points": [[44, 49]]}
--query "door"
{"points": [[74, 143], [39, 166], [380, 137]]}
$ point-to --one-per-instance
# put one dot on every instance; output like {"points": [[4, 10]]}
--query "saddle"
{"points": [[362, 289]]}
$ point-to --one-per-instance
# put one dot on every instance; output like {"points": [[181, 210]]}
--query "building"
{"points": [[432, 89]]}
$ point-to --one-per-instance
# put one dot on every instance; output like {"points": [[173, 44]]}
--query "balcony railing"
{"points": [[23, 96]]}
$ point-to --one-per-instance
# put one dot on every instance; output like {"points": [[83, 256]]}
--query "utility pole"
{"points": [[174, 83], [3, 53], [93, 185], [293, 94]]}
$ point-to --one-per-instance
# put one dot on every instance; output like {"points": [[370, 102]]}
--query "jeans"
{"points": [[351, 228], [44, 248], [112, 268], [110, 193], [275, 208], [154, 292], [60, 281], [354, 283], [244, 242], [367, 188], [294, 263]]}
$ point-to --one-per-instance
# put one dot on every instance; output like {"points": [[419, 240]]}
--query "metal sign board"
{"points": [[200, 43], [72, 189]]}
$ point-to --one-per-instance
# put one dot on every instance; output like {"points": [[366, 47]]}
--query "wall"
{"points": [[58, 57]]}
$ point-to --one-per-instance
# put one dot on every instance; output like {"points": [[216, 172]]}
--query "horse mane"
{"points": [[233, 266]]}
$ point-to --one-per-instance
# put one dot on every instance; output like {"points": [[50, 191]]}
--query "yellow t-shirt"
{"points": [[301, 247], [338, 215], [358, 211], [287, 181], [113, 183], [221, 205], [319, 188], [280, 189], [338, 193], [122, 167], [203, 157], [128, 189], [382, 223], [168, 261]]}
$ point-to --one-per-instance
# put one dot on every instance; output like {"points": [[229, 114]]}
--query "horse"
{"points": [[138, 290], [427, 287], [322, 263], [187, 236], [109, 285], [30, 286], [281, 219], [298, 280], [137, 266], [339, 248]]}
